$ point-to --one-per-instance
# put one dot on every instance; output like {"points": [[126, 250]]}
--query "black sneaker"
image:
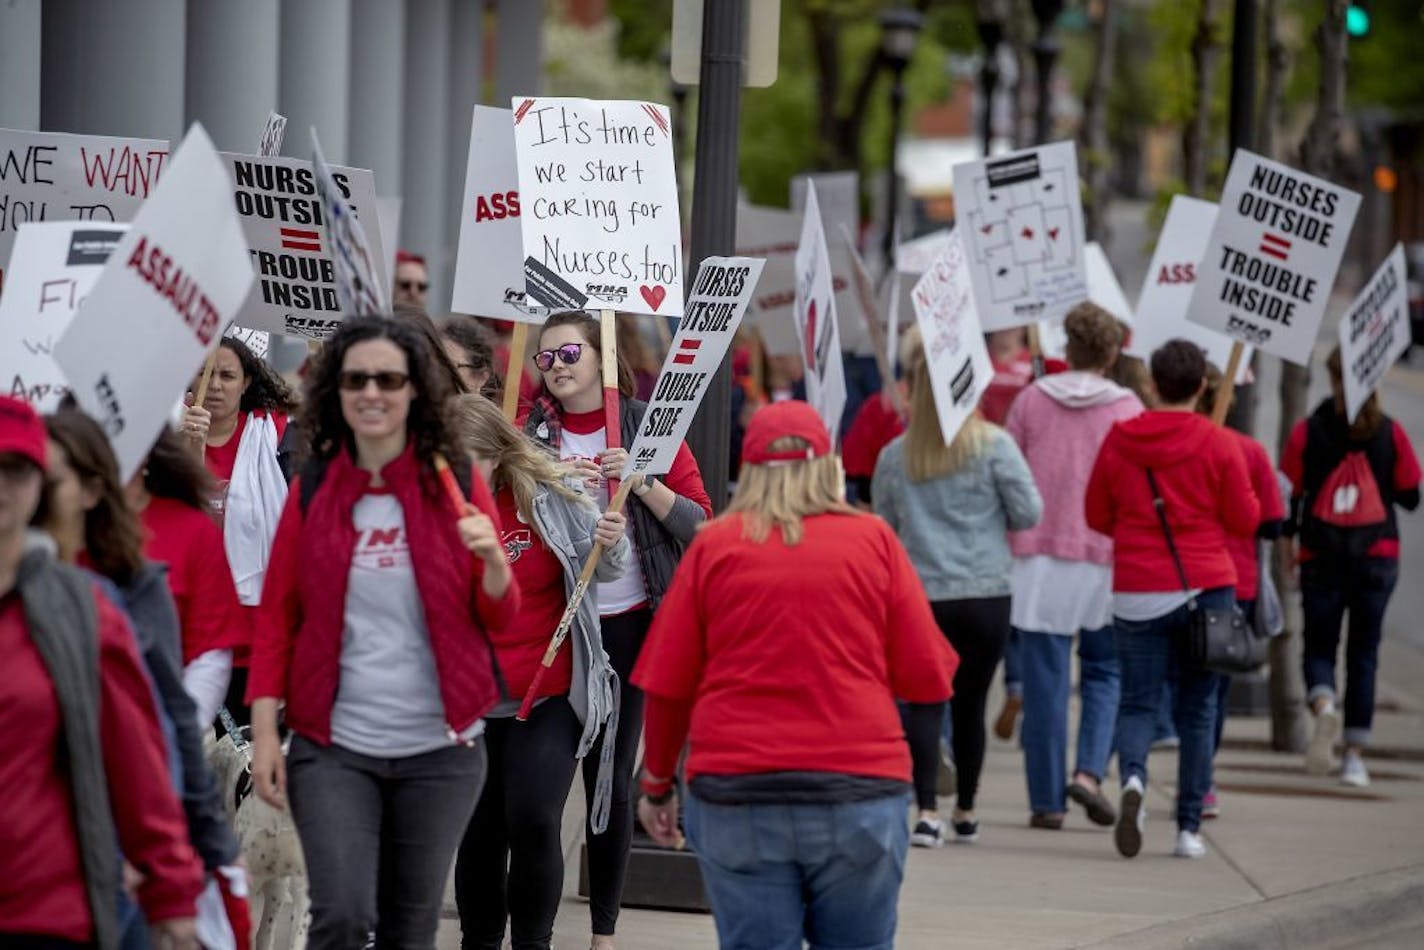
{"points": [[966, 832], [1131, 818], [928, 833]]}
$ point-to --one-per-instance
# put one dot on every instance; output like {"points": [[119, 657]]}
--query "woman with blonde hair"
{"points": [[791, 626], [952, 506], [511, 862]]}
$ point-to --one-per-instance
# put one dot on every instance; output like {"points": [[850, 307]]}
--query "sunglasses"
{"points": [[568, 354], [418, 285], [354, 380]]}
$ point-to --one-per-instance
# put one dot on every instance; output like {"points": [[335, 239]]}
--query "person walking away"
{"points": [[952, 506], [1062, 574], [568, 416], [1245, 553], [1196, 470], [510, 866], [373, 631], [793, 624], [1347, 477]]}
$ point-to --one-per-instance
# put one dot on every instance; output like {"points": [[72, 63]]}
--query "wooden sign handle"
{"points": [[1035, 351], [1224, 392], [514, 372], [608, 339]]}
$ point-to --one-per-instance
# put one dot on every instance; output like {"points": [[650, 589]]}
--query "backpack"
{"points": [[1347, 505]]}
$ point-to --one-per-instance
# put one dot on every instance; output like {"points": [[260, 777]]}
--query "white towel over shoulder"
{"points": [[255, 496]]}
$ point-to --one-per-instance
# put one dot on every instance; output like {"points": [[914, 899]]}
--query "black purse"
{"points": [[1218, 639]]}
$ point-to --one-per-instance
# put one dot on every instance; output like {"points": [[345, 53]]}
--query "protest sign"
{"points": [[52, 269], [598, 205], [283, 218], [958, 361], [258, 341], [275, 129], [916, 256], [1021, 222], [816, 325], [171, 285], [47, 176], [1167, 291], [1374, 332], [772, 234], [1103, 290], [1266, 275], [838, 194], [358, 261], [489, 262], [709, 323]]}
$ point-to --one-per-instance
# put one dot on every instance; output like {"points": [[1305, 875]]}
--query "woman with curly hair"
{"points": [[240, 426], [383, 658]]}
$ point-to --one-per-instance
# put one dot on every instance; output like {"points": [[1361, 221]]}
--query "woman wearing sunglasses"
{"points": [[382, 657], [664, 514]]}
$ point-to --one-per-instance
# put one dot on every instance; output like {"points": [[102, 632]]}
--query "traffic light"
{"points": [[1357, 20]]}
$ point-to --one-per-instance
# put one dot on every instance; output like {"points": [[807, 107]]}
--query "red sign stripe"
{"points": [[301, 246], [299, 233], [1272, 252], [1274, 239], [689, 344], [522, 110], [657, 117], [683, 358]]}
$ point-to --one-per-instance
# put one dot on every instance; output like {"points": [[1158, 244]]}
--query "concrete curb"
{"points": [[1337, 914]]}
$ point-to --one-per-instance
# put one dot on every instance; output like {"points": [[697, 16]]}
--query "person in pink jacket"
{"points": [[1062, 573]]}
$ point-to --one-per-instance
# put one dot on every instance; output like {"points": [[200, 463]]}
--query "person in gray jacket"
{"points": [[510, 864], [953, 506]]}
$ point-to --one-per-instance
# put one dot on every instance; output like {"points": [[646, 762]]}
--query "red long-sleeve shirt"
{"points": [[41, 875], [191, 545]]}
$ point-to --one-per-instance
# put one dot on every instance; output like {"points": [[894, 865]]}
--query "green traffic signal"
{"points": [[1357, 20]]}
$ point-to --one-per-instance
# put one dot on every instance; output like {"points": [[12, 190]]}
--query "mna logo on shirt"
{"points": [[516, 543]]}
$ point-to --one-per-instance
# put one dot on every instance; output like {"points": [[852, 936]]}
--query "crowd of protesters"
{"points": [[362, 580]]}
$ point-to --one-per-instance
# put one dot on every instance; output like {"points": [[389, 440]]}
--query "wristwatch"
{"points": [[648, 482]]}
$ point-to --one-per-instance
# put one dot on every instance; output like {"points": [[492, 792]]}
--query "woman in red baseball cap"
{"points": [[790, 628]]}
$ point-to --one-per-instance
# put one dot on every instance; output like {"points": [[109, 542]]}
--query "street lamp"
{"points": [[1045, 53], [899, 29]]}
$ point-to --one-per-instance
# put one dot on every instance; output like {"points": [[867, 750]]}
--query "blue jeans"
{"points": [[1148, 652], [1361, 588], [1013, 665], [1047, 680], [778, 875]]}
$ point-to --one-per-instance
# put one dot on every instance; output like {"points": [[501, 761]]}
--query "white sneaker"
{"points": [[1352, 771], [1189, 845], [1131, 819], [1321, 750]]}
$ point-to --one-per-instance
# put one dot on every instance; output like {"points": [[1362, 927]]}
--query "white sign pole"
{"points": [[1375, 331], [817, 326], [955, 355]]}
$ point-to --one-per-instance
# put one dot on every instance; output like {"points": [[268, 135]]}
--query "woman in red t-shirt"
{"points": [[173, 494], [511, 861], [241, 426]]}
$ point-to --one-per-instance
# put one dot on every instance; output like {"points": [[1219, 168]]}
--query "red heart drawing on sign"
{"points": [[811, 333], [653, 295]]}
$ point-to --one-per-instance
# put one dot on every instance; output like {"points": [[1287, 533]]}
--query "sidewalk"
{"points": [[1289, 859]]}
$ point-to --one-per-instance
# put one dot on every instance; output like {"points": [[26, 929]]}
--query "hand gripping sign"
{"points": [[598, 205], [172, 284], [1374, 332]]}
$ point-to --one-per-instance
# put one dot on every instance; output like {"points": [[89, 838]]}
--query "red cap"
{"points": [[779, 420], [21, 431]]}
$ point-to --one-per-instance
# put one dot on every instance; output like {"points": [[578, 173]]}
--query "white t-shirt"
{"points": [[388, 701], [630, 590], [1141, 607], [1053, 595]]}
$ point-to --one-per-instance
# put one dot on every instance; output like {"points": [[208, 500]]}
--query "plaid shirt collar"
{"points": [[549, 408]]}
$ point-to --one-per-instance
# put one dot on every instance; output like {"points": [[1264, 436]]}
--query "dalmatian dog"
{"points": [[276, 872]]}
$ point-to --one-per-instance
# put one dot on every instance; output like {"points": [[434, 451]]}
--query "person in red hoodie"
{"points": [[72, 668], [791, 627], [1168, 459], [380, 652]]}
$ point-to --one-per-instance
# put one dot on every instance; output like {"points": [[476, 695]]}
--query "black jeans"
{"points": [[378, 836], [623, 636], [511, 861], [977, 628], [1327, 592]]}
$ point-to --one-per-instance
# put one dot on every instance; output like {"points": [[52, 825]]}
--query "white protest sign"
{"points": [[489, 263], [817, 327], [258, 341], [358, 261], [170, 287], [1374, 332], [709, 324], [598, 205], [1167, 291], [282, 219], [772, 234], [47, 176], [1021, 221], [52, 269], [275, 129], [838, 194], [917, 255], [958, 361], [1103, 290], [1266, 275]]}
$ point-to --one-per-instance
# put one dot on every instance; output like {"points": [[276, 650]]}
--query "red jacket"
{"points": [[296, 653], [790, 659], [1202, 477], [1245, 553], [41, 875]]}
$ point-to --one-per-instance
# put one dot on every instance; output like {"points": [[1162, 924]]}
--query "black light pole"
{"points": [[1242, 134], [898, 30], [1045, 53], [991, 34], [714, 215]]}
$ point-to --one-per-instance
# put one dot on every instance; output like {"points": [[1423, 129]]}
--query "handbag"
{"points": [[1218, 638]]}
